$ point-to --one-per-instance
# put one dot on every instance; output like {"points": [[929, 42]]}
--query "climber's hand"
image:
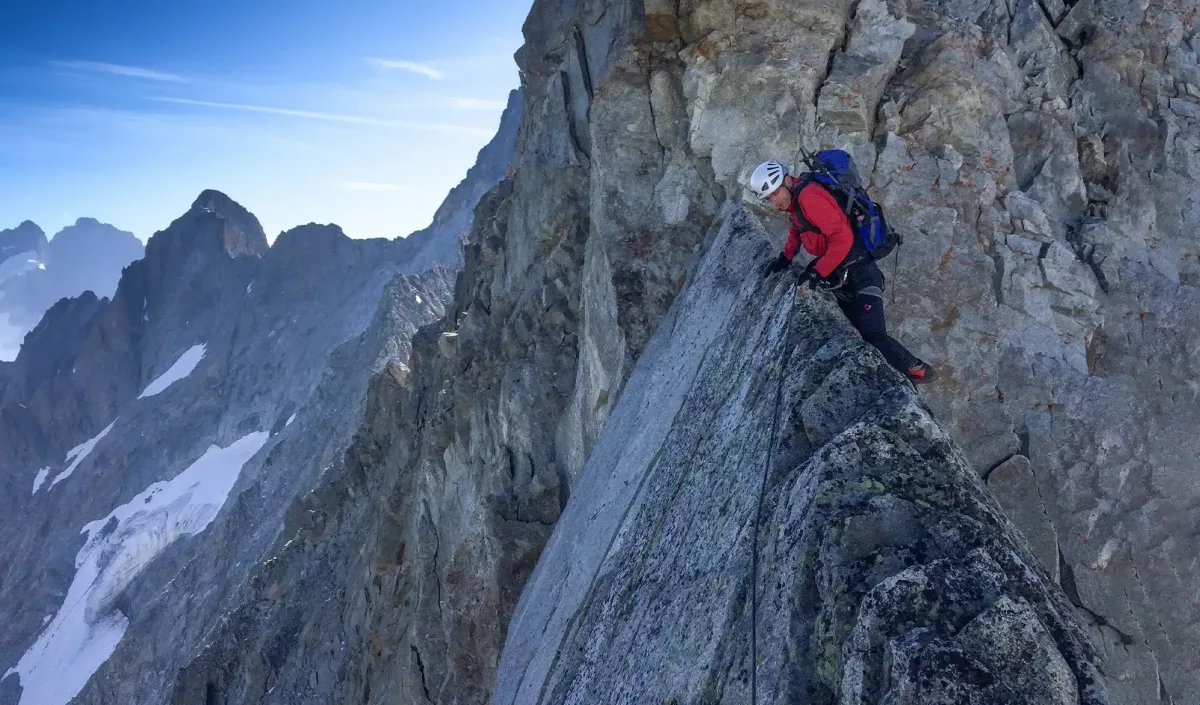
{"points": [[809, 278], [776, 265]]}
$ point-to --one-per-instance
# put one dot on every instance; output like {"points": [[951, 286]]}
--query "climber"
{"points": [[842, 262]]}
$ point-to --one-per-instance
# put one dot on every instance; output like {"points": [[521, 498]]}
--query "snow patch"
{"points": [[182, 368], [87, 628], [289, 421], [418, 297], [249, 287], [41, 477], [78, 453]]}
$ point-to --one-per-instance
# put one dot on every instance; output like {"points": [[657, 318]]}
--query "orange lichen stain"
{"points": [[941, 324], [946, 257]]}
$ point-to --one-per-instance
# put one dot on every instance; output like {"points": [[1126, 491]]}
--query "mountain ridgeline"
{"points": [[171, 434], [610, 462]]}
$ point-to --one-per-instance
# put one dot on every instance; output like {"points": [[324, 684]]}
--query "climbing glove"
{"points": [[778, 264], [809, 277]]}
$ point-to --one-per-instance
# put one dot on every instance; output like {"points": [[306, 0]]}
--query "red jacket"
{"points": [[830, 238]]}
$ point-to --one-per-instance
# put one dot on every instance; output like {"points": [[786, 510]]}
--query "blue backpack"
{"points": [[834, 169]]}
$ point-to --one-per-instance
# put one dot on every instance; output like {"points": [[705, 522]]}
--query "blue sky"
{"points": [[358, 113]]}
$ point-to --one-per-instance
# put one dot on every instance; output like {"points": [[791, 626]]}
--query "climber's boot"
{"points": [[921, 373]]}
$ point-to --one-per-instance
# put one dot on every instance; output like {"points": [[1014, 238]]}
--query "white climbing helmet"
{"points": [[766, 178]]}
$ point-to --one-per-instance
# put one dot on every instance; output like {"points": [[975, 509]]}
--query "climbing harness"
{"points": [[762, 490]]}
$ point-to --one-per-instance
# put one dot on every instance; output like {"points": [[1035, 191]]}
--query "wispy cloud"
{"points": [[479, 104], [327, 117], [413, 66], [119, 70]]}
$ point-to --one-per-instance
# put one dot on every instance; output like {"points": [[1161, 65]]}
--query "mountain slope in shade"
{"points": [[21, 248], [212, 338], [86, 256], [262, 334]]}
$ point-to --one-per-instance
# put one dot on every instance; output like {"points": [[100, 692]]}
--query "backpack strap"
{"points": [[798, 218], [857, 250], [798, 214]]}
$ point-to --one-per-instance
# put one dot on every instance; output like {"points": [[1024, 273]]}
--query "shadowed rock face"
{"points": [[302, 348], [1035, 155], [887, 573], [291, 336], [243, 235]]}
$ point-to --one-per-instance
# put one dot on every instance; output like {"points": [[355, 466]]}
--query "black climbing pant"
{"points": [[861, 299]]}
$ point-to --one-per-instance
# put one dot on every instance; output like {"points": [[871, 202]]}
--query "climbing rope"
{"points": [[896, 269], [762, 490]]}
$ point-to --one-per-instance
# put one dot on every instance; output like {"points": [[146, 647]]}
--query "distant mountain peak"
{"points": [[91, 229], [245, 236], [29, 226], [26, 237]]}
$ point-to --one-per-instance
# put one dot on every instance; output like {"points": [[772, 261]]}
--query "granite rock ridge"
{"points": [[1037, 158], [887, 573]]}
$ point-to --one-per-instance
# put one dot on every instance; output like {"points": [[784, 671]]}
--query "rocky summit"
{"points": [[612, 462]]}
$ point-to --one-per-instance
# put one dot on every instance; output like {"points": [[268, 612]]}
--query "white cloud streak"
{"points": [[412, 66], [119, 70], [327, 117], [369, 186]]}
